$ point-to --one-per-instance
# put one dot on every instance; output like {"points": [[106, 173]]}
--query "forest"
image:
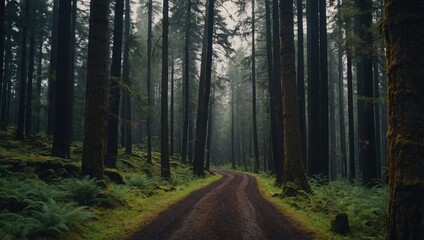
{"points": [[212, 119]]}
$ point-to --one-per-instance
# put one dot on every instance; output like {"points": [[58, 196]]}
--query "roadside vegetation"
{"points": [[365, 207], [43, 197]]}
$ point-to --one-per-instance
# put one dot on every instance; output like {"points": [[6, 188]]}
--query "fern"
{"points": [[84, 191], [140, 181], [54, 218]]}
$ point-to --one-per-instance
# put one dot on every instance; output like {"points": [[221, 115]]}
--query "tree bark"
{"points": [[52, 70], [149, 80], [164, 140], [323, 164], [403, 26], [2, 33], [171, 148], [313, 89], [277, 100], [293, 164], [186, 104], [254, 120], [23, 68], [28, 107], [366, 92], [115, 87], [94, 145], [204, 92], [352, 143], [61, 139], [301, 79], [127, 81]]}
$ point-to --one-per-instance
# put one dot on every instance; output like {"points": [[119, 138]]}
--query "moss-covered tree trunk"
{"points": [[403, 27], [94, 146], [293, 163]]}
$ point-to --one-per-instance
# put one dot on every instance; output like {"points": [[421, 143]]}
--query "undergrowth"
{"points": [[367, 208]]}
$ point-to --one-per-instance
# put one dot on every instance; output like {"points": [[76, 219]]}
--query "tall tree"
{"points": [[403, 26], [254, 120], [115, 87], [149, 79], [28, 107], [164, 140], [293, 163], [72, 67], [314, 165], [301, 77], [323, 91], [276, 97], [341, 97], [352, 143], [2, 33], [186, 85], [172, 117], [61, 138], [23, 67], [366, 92], [52, 70], [204, 91], [94, 144], [126, 80]]}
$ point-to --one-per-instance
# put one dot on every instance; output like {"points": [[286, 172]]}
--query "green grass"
{"points": [[366, 207]]}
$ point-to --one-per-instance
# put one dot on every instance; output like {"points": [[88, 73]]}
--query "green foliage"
{"points": [[85, 191], [366, 207], [54, 218], [140, 181], [181, 175]]}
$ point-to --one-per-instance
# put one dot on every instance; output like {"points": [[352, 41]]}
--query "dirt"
{"points": [[231, 208]]}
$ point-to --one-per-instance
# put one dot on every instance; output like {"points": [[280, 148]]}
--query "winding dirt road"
{"points": [[231, 208]]}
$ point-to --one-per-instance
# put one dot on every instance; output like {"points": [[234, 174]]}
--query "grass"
{"points": [[366, 207]]}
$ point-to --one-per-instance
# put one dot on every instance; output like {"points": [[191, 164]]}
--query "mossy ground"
{"points": [[120, 209]]}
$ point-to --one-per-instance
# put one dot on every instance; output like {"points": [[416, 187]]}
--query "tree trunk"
{"points": [[323, 164], [204, 92], [233, 159], [186, 85], [72, 68], [164, 140], [277, 100], [6, 81], [403, 31], [301, 79], [366, 92], [28, 107], [209, 138], [37, 113], [94, 145], [149, 81], [341, 99], [314, 161], [254, 120], [52, 71], [377, 116], [127, 81], [115, 88], [2, 33], [171, 149], [61, 143], [352, 164], [23, 68], [293, 164]]}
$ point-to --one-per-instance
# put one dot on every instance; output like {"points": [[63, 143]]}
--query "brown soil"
{"points": [[231, 208]]}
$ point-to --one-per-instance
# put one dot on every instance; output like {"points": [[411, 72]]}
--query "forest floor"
{"points": [[231, 208]]}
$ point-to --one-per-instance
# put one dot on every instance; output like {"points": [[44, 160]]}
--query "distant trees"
{"points": [[402, 28], [94, 145]]}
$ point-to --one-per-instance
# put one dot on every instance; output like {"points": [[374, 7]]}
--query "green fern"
{"points": [[140, 181], [85, 191]]}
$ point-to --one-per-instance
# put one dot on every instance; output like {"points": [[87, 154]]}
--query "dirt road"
{"points": [[231, 208]]}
